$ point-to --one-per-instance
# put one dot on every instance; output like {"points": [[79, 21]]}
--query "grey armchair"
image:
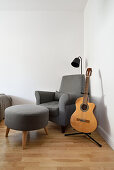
{"points": [[61, 104]]}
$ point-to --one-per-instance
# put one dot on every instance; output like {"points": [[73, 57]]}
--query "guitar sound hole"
{"points": [[84, 107]]}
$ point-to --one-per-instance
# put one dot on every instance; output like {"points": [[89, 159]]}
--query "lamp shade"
{"points": [[76, 62]]}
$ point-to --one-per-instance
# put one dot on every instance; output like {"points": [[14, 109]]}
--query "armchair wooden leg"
{"points": [[24, 138], [7, 131], [46, 131], [63, 128]]}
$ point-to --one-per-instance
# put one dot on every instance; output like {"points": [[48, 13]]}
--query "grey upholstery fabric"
{"points": [[26, 117], [44, 96], [5, 101], [73, 84], [66, 108], [58, 95], [53, 108], [70, 89]]}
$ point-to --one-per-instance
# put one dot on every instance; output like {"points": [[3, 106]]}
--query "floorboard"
{"points": [[53, 151]]}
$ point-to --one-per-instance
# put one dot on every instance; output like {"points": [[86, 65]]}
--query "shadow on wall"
{"points": [[18, 100], [101, 110], [86, 63]]}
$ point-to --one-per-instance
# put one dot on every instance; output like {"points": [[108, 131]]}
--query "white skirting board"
{"points": [[106, 136]]}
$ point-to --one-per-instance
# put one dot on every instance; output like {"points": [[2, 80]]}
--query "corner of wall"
{"points": [[106, 137]]}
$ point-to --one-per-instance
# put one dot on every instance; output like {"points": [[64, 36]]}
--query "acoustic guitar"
{"points": [[83, 119]]}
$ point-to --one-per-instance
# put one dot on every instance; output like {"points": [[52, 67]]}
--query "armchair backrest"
{"points": [[73, 84]]}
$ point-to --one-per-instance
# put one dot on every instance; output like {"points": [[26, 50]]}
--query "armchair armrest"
{"points": [[66, 108], [44, 96], [64, 100], [67, 99]]}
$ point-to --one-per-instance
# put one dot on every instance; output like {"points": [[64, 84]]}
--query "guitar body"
{"points": [[83, 120]]}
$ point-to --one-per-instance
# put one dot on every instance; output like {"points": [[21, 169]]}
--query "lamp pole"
{"points": [[81, 63]]}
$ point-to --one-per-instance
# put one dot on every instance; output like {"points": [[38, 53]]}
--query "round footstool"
{"points": [[26, 118]]}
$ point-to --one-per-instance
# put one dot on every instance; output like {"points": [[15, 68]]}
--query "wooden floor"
{"points": [[53, 151]]}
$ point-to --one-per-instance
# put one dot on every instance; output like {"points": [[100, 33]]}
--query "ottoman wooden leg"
{"points": [[46, 131], [7, 131], [24, 138]]}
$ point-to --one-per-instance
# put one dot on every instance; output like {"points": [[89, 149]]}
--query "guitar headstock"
{"points": [[89, 72]]}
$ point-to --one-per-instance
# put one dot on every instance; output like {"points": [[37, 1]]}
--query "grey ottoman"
{"points": [[26, 118]]}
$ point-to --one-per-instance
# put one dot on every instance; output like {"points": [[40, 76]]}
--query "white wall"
{"points": [[99, 53], [36, 48]]}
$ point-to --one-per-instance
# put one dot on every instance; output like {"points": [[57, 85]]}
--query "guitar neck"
{"points": [[85, 97]]}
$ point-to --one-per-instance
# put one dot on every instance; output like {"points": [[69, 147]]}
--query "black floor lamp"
{"points": [[76, 62]]}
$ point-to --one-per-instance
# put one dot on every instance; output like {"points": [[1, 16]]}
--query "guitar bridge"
{"points": [[83, 120]]}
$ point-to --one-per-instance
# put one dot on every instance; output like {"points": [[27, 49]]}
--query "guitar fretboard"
{"points": [[85, 97]]}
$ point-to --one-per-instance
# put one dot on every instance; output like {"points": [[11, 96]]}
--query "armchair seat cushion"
{"points": [[57, 95], [53, 108]]}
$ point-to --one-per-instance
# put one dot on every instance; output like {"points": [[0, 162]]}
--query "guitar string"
{"points": [[87, 95], [82, 112], [86, 98]]}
